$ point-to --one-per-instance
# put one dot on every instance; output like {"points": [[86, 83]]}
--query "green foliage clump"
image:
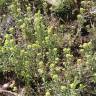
{"points": [[51, 60], [61, 5]]}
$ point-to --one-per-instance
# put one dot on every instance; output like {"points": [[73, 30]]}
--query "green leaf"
{"points": [[2, 2]]}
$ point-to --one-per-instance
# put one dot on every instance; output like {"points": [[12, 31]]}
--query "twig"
{"points": [[9, 93]]}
